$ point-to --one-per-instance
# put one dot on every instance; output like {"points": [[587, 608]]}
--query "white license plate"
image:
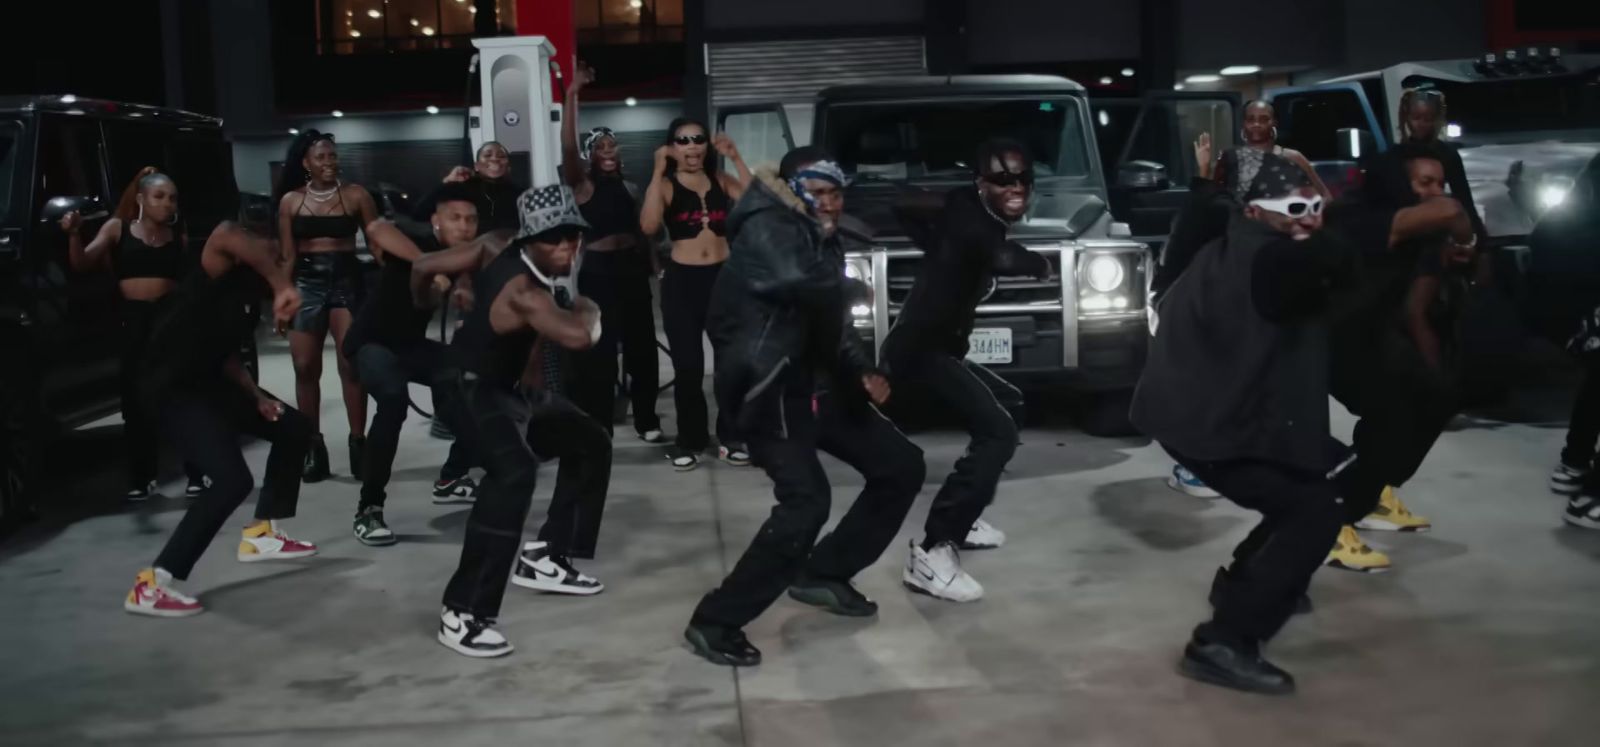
{"points": [[990, 345]]}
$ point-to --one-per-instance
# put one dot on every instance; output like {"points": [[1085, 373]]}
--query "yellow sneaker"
{"points": [[1351, 554], [1392, 516]]}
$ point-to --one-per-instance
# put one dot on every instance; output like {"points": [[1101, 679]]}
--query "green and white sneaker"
{"points": [[370, 529]]}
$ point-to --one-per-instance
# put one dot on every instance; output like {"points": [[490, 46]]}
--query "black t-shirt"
{"points": [[390, 317], [201, 324]]}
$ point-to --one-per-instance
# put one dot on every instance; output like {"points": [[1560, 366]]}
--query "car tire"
{"points": [[1106, 415]]}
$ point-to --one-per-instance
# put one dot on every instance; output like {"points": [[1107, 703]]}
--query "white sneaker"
{"points": [[1184, 481], [268, 542], [141, 494], [540, 570], [983, 536], [466, 635], [938, 574]]}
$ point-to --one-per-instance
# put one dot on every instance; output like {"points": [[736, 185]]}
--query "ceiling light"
{"points": [[1177, 86], [1105, 118], [1203, 78], [294, 130], [1241, 70], [427, 31], [374, 14], [1106, 81], [69, 99], [636, 4], [337, 113], [631, 101], [432, 109], [415, 23], [349, 13], [354, 34], [1127, 72]]}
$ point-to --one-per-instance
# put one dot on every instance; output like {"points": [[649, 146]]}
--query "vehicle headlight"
{"points": [[858, 268], [1104, 273], [1553, 193]]}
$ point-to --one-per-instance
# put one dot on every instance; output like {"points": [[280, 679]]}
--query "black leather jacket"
{"points": [[779, 315]]}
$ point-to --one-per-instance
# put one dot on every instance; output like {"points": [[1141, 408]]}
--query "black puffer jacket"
{"points": [[779, 313]]}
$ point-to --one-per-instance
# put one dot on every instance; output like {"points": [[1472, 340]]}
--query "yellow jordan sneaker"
{"points": [[1392, 516], [264, 541], [1351, 554]]}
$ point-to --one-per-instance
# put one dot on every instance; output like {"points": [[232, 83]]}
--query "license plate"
{"points": [[991, 345]]}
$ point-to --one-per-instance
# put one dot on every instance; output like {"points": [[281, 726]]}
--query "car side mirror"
{"points": [[88, 206], [1142, 176], [1354, 143]]}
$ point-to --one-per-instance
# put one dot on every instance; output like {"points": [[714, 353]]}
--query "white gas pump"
{"points": [[519, 107]]}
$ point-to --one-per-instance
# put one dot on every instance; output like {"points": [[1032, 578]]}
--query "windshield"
{"points": [[937, 139], [1500, 106], [10, 135]]}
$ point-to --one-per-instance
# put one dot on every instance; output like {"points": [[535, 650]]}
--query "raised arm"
{"points": [[94, 256], [1434, 215], [734, 187], [573, 170], [657, 195]]}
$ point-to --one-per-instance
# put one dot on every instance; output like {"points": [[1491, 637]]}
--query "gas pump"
{"points": [[519, 108]]}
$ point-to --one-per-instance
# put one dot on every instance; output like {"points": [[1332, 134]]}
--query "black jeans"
{"points": [[140, 429], [619, 283], [205, 420], [974, 395], [685, 299], [385, 373], [869, 443], [514, 429], [1584, 430], [1301, 513]]}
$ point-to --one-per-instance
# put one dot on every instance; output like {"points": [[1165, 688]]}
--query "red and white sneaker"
{"points": [[152, 597], [267, 542]]}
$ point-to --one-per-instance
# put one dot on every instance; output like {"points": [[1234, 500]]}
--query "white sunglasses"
{"points": [[1293, 206]]}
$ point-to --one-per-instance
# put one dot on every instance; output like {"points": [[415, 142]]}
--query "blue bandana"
{"points": [[828, 171]]}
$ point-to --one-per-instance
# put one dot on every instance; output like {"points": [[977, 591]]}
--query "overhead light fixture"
{"points": [[1452, 130], [337, 114], [1106, 81], [374, 13], [1105, 118], [415, 23], [432, 109], [1127, 72], [459, 2], [349, 13], [631, 101], [1177, 86], [636, 4], [354, 34], [427, 31], [1241, 70], [1202, 78], [294, 130], [69, 99]]}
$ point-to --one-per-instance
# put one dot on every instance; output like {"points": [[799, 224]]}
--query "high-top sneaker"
{"points": [[264, 541], [467, 635], [938, 574], [541, 570], [152, 595]]}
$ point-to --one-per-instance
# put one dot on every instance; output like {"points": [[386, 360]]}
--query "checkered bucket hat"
{"points": [[541, 209]]}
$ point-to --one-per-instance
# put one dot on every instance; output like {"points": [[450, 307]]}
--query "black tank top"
{"points": [[611, 210], [336, 226], [136, 259], [390, 317], [687, 216], [497, 359]]}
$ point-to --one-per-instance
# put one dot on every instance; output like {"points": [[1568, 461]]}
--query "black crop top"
{"points": [[337, 226], [688, 215], [136, 259], [611, 210]]}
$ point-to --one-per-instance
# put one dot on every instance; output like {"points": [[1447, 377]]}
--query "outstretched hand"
{"points": [[1202, 154], [582, 76], [71, 222]]}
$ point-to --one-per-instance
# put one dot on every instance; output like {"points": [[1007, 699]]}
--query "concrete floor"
{"points": [[1488, 633]]}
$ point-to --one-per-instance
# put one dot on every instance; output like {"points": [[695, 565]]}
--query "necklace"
{"points": [[323, 195]]}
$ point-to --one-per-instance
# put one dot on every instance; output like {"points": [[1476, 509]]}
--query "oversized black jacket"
{"points": [[779, 313]]}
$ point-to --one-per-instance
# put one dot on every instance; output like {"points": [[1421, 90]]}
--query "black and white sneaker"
{"points": [[1583, 511], [459, 490], [196, 487], [735, 455], [653, 436], [141, 493], [467, 635], [684, 461], [1566, 479], [540, 570]]}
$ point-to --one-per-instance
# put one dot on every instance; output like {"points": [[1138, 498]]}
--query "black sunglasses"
{"points": [[700, 139], [1008, 179], [558, 234]]}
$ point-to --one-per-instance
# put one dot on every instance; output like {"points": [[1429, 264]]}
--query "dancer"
{"points": [[318, 216], [143, 245], [390, 348], [795, 377], [617, 265], [1423, 119], [691, 198], [517, 309], [489, 182], [192, 376], [965, 246], [1566, 281], [1237, 167]]}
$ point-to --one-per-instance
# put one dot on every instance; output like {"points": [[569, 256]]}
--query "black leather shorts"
{"points": [[326, 281]]}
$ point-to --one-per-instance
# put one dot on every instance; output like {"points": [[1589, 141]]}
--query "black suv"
{"points": [[59, 329]]}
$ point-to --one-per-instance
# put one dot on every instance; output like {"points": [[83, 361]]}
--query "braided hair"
{"points": [[294, 175], [1421, 96]]}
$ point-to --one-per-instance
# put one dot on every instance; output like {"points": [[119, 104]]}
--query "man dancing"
{"points": [[516, 310], [965, 246], [389, 346], [793, 376]]}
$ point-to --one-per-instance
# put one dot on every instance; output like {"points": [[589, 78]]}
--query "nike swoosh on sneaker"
{"points": [[446, 626]]}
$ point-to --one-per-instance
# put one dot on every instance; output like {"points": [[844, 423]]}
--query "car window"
{"points": [[69, 160], [1169, 128], [901, 140], [10, 142], [1310, 121]]}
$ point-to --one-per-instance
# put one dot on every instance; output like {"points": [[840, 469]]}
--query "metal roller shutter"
{"points": [[794, 71]]}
